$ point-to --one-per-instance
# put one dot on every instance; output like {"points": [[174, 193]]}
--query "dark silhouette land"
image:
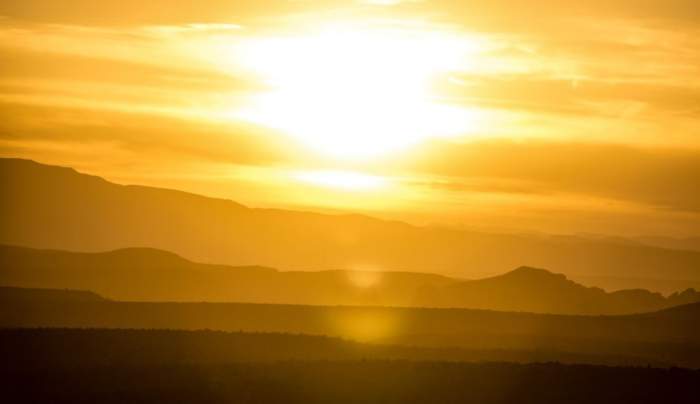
{"points": [[207, 367], [664, 338]]}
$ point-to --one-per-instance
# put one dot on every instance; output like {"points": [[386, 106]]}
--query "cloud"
{"points": [[44, 132], [522, 13], [601, 98], [23, 65], [663, 178], [581, 97], [136, 12]]}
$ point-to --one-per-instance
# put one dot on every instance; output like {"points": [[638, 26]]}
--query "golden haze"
{"points": [[487, 115]]}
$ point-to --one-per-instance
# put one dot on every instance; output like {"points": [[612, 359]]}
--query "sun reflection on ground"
{"points": [[366, 324]]}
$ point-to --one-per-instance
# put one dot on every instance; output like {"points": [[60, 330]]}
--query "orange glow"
{"points": [[348, 180], [351, 91]]}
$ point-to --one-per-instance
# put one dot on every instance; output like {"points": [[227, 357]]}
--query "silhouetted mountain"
{"points": [[537, 290], [153, 275], [687, 243], [52, 207], [13, 295], [142, 274], [682, 318]]}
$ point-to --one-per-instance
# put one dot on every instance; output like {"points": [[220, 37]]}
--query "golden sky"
{"points": [[562, 116]]}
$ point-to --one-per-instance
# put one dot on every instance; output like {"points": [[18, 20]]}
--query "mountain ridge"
{"points": [[67, 210], [143, 274], [542, 291]]}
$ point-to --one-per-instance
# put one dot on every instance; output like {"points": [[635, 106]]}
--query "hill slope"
{"points": [[11, 295], [53, 207], [141, 274], [540, 291]]}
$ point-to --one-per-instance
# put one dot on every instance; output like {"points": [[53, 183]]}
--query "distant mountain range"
{"points": [[55, 207], [540, 291], [672, 243], [140, 274], [686, 243], [34, 295]]}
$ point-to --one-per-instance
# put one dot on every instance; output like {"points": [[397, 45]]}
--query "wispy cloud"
{"points": [[575, 106]]}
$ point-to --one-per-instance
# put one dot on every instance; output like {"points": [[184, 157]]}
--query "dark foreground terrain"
{"points": [[666, 338], [118, 366]]}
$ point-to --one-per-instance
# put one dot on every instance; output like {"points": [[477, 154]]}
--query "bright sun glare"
{"points": [[348, 180], [353, 92]]}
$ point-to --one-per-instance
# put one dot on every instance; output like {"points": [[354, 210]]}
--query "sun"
{"points": [[356, 92]]}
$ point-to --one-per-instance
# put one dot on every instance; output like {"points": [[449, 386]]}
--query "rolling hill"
{"points": [[540, 291], [140, 274], [55, 207], [11, 295]]}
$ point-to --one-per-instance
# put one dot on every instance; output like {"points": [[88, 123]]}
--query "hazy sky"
{"points": [[562, 116]]}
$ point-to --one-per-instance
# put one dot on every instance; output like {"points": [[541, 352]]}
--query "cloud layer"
{"points": [[589, 112]]}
